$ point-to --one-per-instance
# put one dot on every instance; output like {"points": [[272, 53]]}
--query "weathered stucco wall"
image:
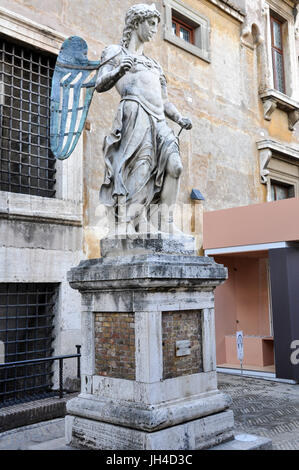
{"points": [[221, 97]]}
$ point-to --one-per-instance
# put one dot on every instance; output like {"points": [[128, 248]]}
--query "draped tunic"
{"points": [[140, 139]]}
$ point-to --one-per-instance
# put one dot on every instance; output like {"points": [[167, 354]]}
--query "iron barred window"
{"points": [[26, 332], [27, 164]]}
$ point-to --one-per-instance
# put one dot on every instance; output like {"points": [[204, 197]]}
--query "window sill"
{"points": [[273, 99], [202, 54], [40, 209]]}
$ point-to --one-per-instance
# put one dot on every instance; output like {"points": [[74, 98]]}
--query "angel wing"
{"points": [[73, 85]]}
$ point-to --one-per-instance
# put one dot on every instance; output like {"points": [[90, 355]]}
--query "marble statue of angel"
{"points": [[142, 158]]}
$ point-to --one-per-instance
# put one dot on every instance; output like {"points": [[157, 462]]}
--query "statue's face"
{"points": [[147, 29]]}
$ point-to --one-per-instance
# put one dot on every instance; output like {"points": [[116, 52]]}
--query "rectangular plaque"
{"points": [[183, 348]]}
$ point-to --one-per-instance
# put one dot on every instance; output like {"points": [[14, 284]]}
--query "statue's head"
{"points": [[137, 15]]}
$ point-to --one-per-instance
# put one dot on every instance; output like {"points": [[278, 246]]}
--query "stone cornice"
{"points": [[26, 30], [278, 147], [266, 150], [284, 8], [231, 9]]}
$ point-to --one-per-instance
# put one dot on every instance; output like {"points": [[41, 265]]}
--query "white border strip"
{"points": [[246, 248]]}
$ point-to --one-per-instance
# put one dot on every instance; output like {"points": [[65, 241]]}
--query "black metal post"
{"points": [[60, 378], [78, 346]]}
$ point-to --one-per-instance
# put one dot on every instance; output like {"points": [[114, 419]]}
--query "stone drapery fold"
{"points": [[136, 154]]}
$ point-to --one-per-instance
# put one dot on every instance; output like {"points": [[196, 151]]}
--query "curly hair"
{"points": [[135, 15]]}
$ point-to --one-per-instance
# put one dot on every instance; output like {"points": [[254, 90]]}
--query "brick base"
{"points": [[115, 345], [176, 326]]}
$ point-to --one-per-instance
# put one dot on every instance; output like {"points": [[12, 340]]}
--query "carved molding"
{"points": [[269, 107], [273, 99], [268, 148], [29, 31], [255, 12], [293, 117], [265, 156], [230, 9], [264, 8]]}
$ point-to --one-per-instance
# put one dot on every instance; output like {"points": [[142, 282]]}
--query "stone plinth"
{"points": [[148, 352], [146, 244]]}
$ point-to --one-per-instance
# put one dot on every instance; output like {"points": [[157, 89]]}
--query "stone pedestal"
{"points": [[148, 351]]}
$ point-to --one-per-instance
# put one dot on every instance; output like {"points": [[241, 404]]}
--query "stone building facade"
{"points": [[217, 58]]}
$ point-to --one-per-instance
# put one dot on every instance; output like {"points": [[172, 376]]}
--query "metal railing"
{"points": [[24, 393]]}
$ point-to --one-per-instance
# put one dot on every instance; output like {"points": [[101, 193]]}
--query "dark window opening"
{"points": [[26, 332], [182, 30], [277, 54], [27, 164], [281, 191]]}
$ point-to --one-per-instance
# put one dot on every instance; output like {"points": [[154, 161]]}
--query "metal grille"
{"points": [[27, 164], [26, 332]]}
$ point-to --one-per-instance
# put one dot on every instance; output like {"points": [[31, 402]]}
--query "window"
{"points": [[187, 29], [27, 165], [279, 86], [26, 331], [182, 30], [281, 191], [277, 54], [279, 169]]}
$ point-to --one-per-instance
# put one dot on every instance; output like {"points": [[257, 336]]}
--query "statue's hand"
{"points": [[126, 64], [185, 123]]}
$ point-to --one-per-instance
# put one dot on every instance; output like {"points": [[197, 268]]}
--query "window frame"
{"points": [[27, 330], [274, 19], [178, 24], [272, 152], [25, 173], [282, 178], [276, 182], [67, 205], [285, 16], [270, 96], [194, 20]]}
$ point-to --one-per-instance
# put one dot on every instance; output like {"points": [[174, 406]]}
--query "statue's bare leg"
{"points": [[169, 193]]}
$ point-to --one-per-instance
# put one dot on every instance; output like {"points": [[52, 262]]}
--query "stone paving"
{"points": [[265, 408], [261, 407], [26, 437]]}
